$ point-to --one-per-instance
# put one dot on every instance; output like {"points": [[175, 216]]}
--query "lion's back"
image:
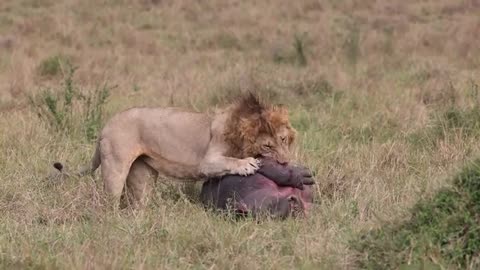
{"points": [[175, 134]]}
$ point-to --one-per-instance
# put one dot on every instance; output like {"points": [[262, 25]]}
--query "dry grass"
{"points": [[373, 87]]}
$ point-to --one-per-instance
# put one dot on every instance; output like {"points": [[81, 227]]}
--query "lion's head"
{"points": [[256, 129]]}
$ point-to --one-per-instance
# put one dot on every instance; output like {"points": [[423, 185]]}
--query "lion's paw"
{"points": [[247, 166]]}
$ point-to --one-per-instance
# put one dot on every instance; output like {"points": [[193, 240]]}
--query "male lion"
{"points": [[189, 145]]}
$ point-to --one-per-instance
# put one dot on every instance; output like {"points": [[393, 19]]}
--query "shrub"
{"points": [[70, 110]]}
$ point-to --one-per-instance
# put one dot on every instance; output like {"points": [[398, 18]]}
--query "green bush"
{"points": [[70, 110]]}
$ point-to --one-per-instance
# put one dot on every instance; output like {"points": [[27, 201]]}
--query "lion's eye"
{"points": [[284, 139]]}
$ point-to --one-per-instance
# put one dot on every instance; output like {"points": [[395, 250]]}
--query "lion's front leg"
{"points": [[216, 166]]}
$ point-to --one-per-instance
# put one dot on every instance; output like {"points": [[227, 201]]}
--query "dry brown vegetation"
{"points": [[384, 95]]}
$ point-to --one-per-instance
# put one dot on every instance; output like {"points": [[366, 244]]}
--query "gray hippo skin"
{"points": [[275, 190]]}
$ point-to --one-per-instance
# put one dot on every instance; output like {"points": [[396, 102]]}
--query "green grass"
{"points": [[443, 231]]}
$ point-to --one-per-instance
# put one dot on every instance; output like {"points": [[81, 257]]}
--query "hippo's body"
{"points": [[275, 190]]}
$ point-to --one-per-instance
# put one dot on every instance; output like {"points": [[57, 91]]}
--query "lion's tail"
{"points": [[87, 169], [94, 163]]}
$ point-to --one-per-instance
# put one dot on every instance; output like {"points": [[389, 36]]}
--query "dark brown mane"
{"points": [[249, 104], [251, 117], [244, 124]]}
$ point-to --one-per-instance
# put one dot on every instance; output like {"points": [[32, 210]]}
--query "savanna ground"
{"points": [[384, 95]]}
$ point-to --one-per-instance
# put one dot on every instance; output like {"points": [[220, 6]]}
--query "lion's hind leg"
{"points": [[139, 184], [116, 162]]}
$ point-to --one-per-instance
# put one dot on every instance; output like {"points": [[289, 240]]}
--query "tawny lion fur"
{"points": [[142, 142]]}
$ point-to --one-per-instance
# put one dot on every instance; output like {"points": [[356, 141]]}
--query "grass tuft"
{"points": [[53, 65]]}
